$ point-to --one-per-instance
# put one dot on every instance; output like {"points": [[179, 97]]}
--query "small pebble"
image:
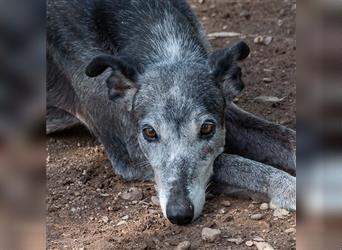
{"points": [[132, 194], [259, 239], [222, 211], [245, 14], [280, 213], [237, 241], [155, 200], [124, 217], [290, 230], [267, 80], [225, 203], [263, 246], [121, 223], [210, 235], [201, 1], [263, 40], [280, 22], [268, 40], [258, 40], [105, 219], [264, 206], [249, 243], [257, 216], [183, 245]]}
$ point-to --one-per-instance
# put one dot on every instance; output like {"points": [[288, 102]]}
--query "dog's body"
{"points": [[169, 114]]}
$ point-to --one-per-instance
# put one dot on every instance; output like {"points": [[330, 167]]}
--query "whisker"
{"points": [[208, 187]]}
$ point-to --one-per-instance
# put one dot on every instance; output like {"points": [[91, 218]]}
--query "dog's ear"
{"points": [[122, 81], [225, 69]]}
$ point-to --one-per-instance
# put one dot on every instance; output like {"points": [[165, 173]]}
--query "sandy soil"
{"points": [[84, 207]]}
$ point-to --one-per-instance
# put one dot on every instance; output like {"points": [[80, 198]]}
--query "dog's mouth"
{"points": [[180, 206]]}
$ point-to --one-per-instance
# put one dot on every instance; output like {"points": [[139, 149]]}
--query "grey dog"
{"points": [[142, 77]]}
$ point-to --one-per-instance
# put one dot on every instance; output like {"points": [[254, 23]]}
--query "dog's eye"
{"points": [[150, 134], [207, 129]]}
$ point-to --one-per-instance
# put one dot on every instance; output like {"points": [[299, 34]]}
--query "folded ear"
{"points": [[122, 81], [225, 69]]}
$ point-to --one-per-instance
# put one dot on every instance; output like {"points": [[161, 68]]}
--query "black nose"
{"points": [[180, 213]]}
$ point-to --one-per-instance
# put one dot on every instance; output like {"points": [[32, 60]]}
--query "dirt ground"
{"points": [[85, 210]]}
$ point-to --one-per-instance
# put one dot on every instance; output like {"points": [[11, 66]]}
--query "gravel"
{"points": [[290, 230], [280, 213], [257, 216], [249, 243], [155, 200], [226, 203], [264, 206], [133, 194], [105, 219], [237, 241], [210, 235], [183, 245], [263, 246]]}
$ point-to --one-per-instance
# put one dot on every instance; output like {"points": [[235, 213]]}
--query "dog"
{"points": [[142, 77]]}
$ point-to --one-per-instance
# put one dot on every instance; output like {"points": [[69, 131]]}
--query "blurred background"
{"points": [[22, 114], [319, 124], [22, 125]]}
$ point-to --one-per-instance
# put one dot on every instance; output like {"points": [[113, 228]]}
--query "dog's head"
{"points": [[179, 110]]}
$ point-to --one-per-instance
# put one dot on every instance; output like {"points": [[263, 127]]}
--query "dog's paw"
{"points": [[283, 193], [288, 204]]}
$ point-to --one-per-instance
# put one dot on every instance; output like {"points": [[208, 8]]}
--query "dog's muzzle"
{"points": [[179, 209]]}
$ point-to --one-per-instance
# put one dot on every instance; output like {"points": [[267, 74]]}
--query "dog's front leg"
{"points": [[260, 140], [239, 172]]}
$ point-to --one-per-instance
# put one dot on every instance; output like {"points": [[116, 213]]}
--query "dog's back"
{"points": [[79, 29]]}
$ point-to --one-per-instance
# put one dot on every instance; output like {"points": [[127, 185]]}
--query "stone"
{"points": [[222, 211], [105, 219], [290, 230], [267, 80], [237, 241], [263, 40], [132, 194], [263, 246], [269, 99], [258, 40], [257, 216], [268, 40], [245, 14], [121, 223], [223, 34], [280, 213], [183, 245], [125, 217], [264, 206], [249, 243], [155, 200], [259, 239], [225, 203], [210, 235]]}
